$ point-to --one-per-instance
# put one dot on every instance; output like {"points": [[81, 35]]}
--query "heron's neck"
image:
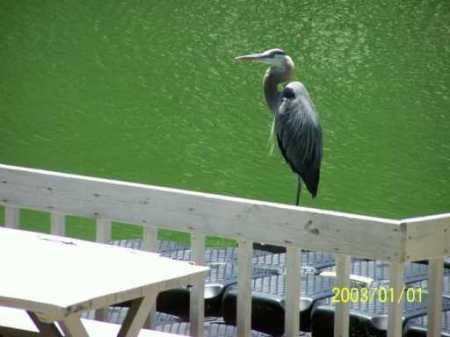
{"points": [[273, 77]]}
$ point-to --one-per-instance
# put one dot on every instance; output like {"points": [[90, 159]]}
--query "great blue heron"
{"points": [[296, 123]]}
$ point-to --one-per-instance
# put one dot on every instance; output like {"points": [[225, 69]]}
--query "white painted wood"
{"points": [[45, 329], [358, 279], [342, 318], [90, 285], [435, 288], [103, 232], [136, 316], [427, 237], [206, 213], [12, 217], [198, 248], [197, 301], [244, 299], [58, 224], [15, 322], [16, 319], [395, 312], [292, 318], [150, 244], [348, 234], [103, 235], [150, 239], [197, 308], [73, 327]]}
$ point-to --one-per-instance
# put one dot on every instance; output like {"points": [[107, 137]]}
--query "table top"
{"points": [[54, 276]]}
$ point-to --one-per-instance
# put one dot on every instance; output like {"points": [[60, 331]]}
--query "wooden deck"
{"points": [[246, 221]]}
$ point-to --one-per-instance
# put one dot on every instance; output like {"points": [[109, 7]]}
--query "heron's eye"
{"points": [[277, 53], [288, 93]]}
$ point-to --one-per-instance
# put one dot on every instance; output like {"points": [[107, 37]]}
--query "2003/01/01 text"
{"points": [[376, 294]]}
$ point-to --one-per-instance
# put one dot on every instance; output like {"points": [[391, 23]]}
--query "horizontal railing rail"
{"points": [[246, 221]]}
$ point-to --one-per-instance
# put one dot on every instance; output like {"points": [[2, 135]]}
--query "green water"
{"points": [[148, 91]]}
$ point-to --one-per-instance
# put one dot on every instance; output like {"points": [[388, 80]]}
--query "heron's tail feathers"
{"points": [[312, 181]]}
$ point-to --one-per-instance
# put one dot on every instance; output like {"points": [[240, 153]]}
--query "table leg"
{"points": [[45, 329], [73, 327], [197, 308], [136, 316]]}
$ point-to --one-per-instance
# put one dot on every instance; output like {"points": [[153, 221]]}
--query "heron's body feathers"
{"points": [[299, 134]]}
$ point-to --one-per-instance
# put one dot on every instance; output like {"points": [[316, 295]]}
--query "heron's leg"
{"points": [[297, 202], [299, 189]]}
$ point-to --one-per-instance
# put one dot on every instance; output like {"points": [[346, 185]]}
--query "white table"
{"points": [[55, 279]]}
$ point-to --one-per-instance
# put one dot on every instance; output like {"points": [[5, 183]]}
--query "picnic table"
{"points": [[54, 279]]}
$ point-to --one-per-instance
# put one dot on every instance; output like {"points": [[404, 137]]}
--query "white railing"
{"points": [[246, 221]]}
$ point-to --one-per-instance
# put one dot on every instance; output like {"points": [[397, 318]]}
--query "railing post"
{"points": [[12, 217], [395, 313], [58, 224], [435, 280], [150, 244], [103, 235], [197, 301], [150, 239], [244, 299], [292, 312], [341, 317]]}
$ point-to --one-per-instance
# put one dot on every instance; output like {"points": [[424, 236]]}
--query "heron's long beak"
{"points": [[259, 57]]}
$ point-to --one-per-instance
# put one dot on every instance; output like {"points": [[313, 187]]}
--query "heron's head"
{"points": [[276, 58]]}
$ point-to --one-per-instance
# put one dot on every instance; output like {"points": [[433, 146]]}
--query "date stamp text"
{"points": [[376, 294]]}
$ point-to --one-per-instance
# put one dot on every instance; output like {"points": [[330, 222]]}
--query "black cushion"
{"points": [[268, 298]]}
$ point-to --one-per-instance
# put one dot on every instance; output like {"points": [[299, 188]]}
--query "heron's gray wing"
{"points": [[299, 138]]}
